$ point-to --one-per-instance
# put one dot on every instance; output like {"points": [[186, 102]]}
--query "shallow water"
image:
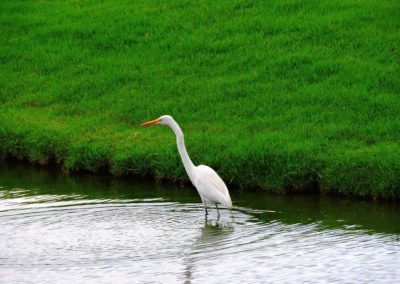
{"points": [[101, 230]]}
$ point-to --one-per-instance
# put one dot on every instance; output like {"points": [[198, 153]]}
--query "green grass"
{"points": [[280, 95]]}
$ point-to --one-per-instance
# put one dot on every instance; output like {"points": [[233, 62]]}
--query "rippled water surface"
{"points": [[99, 230]]}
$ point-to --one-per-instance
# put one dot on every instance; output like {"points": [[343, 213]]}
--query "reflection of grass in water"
{"points": [[327, 211], [296, 96], [255, 207]]}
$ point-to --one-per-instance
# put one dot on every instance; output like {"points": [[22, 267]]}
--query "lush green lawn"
{"points": [[280, 95]]}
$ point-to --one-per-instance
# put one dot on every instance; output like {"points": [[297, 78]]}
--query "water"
{"points": [[59, 229]]}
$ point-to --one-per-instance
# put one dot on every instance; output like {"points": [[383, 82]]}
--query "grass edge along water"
{"points": [[286, 97]]}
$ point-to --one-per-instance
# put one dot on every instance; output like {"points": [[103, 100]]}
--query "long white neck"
{"points": [[180, 142]]}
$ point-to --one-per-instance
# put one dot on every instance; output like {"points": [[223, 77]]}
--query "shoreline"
{"points": [[57, 168]]}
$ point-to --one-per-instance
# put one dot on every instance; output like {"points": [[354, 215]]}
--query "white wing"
{"points": [[211, 187]]}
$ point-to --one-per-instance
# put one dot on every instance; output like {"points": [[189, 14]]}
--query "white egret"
{"points": [[209, 185]]}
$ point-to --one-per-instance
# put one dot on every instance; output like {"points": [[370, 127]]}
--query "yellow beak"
{"points": [[151, 122]]}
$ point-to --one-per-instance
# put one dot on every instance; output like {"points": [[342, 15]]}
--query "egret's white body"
{"points": [[209, 185]]}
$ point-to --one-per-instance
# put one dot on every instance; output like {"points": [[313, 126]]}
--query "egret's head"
{"points": [[163, 120]]}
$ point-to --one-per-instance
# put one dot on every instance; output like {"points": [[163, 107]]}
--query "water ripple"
{"points": [[65, 238]]}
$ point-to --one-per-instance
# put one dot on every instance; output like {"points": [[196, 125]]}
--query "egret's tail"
{"points": [[227, 202]]}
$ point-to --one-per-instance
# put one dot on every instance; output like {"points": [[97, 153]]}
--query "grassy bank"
{"points": [[279, 95]]}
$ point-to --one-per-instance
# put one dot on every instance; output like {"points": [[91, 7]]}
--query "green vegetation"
{"points": [[279, 95]]}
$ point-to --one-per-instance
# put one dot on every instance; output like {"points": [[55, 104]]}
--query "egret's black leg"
{"points": [[205, 207], [216, 206]]}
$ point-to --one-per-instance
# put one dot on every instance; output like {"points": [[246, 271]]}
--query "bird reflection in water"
{"points": [[213, 235]]}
